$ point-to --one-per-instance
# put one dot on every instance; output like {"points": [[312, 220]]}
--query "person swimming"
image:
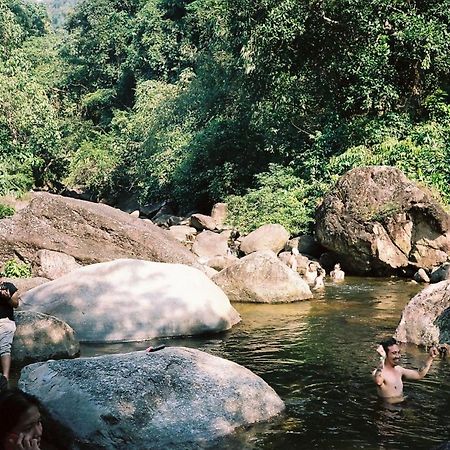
{"points": [[389, 375], [337, 274]]}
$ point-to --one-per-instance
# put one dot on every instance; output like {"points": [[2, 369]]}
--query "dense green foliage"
{"points": [[260, 103]]}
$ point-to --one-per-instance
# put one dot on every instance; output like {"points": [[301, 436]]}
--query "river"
{"points": [[318, 356]]}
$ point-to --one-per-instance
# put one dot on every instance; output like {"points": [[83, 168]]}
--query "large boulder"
{"points": [[176, 398], [377, 221], [426, 318], [133, 300], [262, 278], [40, 337], [267, 237], [90, 232]]}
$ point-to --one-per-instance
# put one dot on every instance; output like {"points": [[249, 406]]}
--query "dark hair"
{"points": [[388, 343], [13, 404]]}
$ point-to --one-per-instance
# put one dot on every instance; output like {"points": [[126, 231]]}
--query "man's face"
{"points": [[393, 355]]}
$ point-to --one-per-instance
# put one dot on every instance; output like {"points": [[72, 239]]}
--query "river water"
{"points": [[318, 356]]}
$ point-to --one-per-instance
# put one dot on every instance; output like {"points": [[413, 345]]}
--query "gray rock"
{"points": [[209, 244], [262, 278], [176, 398], [132, 300], [183, 233], [441, 273], [219, 213], [221, 262], [379, 222], [40, 337], [425, 319], [53, 265], [202, 222], [267, 237], [90, 232]]}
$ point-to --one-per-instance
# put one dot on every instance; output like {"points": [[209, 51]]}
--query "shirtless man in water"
{"points": [[388, 376]]}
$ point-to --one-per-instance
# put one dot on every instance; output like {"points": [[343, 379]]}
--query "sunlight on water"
{"points": [[318, 356]]}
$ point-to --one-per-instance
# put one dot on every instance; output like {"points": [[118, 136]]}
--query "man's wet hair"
{"points": [[388, 343]]}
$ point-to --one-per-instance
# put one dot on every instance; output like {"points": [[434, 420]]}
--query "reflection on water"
{"points": [[318, 356]]}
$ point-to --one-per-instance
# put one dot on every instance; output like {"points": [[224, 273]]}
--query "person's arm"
{"points": [[410, 374], [377, 373]]}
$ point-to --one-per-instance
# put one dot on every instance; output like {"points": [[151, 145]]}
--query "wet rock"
{"points": [[441, 273], [426, 318]]}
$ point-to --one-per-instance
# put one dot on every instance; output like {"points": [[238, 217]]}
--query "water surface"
{"points": [[318, 356]]}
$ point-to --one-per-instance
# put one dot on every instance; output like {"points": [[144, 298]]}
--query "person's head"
{"points": [[312, 266], [392, 350], [337, 266], [19, 413]]}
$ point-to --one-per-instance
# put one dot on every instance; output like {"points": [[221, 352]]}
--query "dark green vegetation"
{"points": [[262, 103]]}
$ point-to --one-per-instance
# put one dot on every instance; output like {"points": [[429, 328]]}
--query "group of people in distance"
{"points": [[314, 274]]}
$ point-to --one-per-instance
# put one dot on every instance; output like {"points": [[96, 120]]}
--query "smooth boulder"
{"points": [[426, 318], [176, 398], [40, 337], [262, 278], [208, 244], [133, 300], [267, 237]]}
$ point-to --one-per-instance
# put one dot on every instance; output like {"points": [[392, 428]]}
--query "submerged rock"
{"points": [[176, 398], [133, 300]]}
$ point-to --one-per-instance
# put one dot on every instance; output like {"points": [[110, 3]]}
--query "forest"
{"points": [[262, 104]]}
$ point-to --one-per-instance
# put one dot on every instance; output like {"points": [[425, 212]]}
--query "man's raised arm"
{"points": [[410, 374]]}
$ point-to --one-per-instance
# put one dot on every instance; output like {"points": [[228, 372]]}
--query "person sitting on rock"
{"points": [[20, 423], [318, 283], [337, 274], [9, 299], [311, 273], [292, 263], [388, 376]]}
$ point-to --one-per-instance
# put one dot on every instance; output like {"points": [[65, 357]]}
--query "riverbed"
{"points": [[318, 356]]}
